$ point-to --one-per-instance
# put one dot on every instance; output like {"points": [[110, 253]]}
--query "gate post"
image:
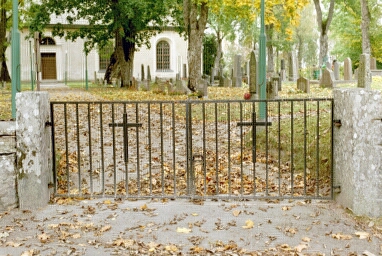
{"points": [[357, 150], [34, 157]]}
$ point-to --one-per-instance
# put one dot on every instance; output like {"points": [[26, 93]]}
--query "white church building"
{"points": [[63, 60]]}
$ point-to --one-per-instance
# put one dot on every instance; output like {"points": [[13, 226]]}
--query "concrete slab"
{"points": [[181, 227]]}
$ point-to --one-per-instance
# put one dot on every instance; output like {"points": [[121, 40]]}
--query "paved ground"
{"points": [[181, 227]]}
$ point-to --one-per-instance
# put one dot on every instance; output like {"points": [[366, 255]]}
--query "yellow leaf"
{"points": [[78, 235], [249, 224], [194, 214], [300, 247], [362, 235], [43, 238], [171, 247], [341, 236], [236, 213], [183, 230], [306, 239], [107, 202], [144, 207], [105, 228]]}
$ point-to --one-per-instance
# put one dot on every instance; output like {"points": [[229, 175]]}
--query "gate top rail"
{"points": [[192, 101]]}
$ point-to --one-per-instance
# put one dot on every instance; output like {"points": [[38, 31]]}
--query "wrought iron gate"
{"points": [[193, 149]]}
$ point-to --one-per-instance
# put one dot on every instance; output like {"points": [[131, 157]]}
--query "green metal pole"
{"points": [[262, 80], [15, 47]]}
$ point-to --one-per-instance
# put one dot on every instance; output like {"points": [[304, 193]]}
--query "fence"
{"points": [[198, 149]]}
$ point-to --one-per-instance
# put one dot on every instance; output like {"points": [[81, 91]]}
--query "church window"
{"points": [[163, 56], [47, 41]]}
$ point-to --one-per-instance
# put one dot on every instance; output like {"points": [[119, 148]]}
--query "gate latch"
{"points": [[337, 123]]}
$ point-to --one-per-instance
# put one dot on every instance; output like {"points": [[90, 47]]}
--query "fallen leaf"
{"points": [[341, 236], [105, 228], [300, 247], [4, 234], [75, 236], [43, 238], [306, 239], [194, 214], [249, 224], [183, 230], [236, 213], [171, 248], [362, 235], [286, 208], [143, 207], [107, 202], [13, 244]]}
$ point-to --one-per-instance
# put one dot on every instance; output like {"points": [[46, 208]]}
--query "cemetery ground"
{"points": [[180, 227]]}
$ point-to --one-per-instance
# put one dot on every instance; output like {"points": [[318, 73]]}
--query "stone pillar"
{"points": [[292, 67], [34, 157], [336, 70], [357, 152], [8, 191], [364, 73]]}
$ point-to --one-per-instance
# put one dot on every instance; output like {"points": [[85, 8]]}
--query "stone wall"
{"points": [[358, 150], [8, 194]]}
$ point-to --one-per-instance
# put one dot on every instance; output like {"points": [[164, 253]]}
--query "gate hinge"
{"points": [[47, 123], [337, 189], [337, 123]]}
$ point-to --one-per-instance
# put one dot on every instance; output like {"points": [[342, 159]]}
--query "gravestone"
{"points": [[364, 73], [271, 90], [236, 75], [252, 73], [282, 72], [143, 72], [336, 70], [184, 70], [373, 63], [348, 72], [292, 67], [148, 74], [327, 78], [328, 65], [227, 82], [303, 84], [221, 77]]}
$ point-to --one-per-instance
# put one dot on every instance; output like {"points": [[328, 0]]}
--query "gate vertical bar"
{"points": [[173, 146], [114, 160], [318, 150], [241, 151], [125, 148], [331, 149], [138, 154], [266, 151], [189, 148], [229, 147], [217, 149], [279, 145], [161, 146], [204, 148], [254, 134], [305, 149], [292, 148], [102, 149], [90, 151], [54, 167], [67, 147], [150, 148], [78, 149]]}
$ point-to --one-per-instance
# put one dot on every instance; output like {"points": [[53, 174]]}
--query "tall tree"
{"points": [[365, 26], [5, 7], [129, 22], [195, 21], [323, 27]]}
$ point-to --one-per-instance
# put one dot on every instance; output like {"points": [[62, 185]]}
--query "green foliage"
{"points": [[99, 20]]}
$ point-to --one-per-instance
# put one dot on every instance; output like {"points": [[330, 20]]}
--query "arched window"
{"points": [[47, 41], [163, 56]]}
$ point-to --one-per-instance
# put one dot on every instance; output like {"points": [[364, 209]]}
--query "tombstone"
{"points": [[221, 77], [303, 84], [184, 70], [282, 72], [277, 79], [143, 72], [237, 76], [364, 73], [202, 87], [227, 82], [292, 67], [271, 90], [252, 73], [373, 63], [336, 70], [328, 65], [180, 87], [327, 78], [356, 74], [348, 72], [148, 73]]}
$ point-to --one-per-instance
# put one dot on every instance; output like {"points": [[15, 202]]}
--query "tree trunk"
{"points": [[323, 28], [218, 57], [366, 48], [270, 53], [4, 74], [195, 18], [121, 62]]}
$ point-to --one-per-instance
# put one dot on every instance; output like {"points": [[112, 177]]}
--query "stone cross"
{"points": [[348, 71], [364, 73], [252, 73], [373, 63]]}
